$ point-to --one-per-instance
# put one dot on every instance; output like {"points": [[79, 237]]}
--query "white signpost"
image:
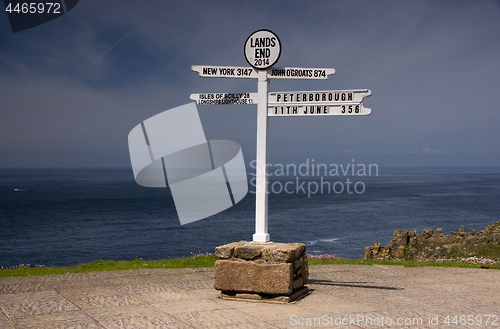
{"points": [[326, 102], [206, 71], [225, 98], [299, 73], [310, 110], [326, 97], [262, 51]]}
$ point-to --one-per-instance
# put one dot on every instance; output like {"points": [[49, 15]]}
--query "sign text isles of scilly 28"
{"points": [[262, 50]]}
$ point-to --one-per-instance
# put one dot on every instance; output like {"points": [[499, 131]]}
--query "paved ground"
{"points": [[185, 298]]}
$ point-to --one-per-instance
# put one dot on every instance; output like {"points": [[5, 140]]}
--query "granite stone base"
{"points": [[265, 269], [262, 298]]}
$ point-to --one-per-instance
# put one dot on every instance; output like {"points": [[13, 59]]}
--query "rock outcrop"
{"points": [[410, 245]]}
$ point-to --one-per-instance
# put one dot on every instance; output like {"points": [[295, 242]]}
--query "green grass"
{"points": [[204, 261], [405, 263], [110, 265], [491, 251]]}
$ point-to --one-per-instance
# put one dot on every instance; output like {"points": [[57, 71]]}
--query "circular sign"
{"points": [[262, 49]]}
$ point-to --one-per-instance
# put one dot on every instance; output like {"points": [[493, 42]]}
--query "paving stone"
{"points": [[157, 287], [166, 296], [98, 297], [206, 294], [4, 321], [174, 307], [137, 279], [83, 291], [139, 273], [277, 312], [71, 277], [30, 303], [135, 316], [186, 299], [20, 287], [195, 284], [222, 319], [147, 288], [22, 279], [77, 282], [62, 320], [105, 301], [146, 322], [138, 310]]}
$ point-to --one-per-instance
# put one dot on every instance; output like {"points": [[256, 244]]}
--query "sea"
{"points": [[62, 217]]}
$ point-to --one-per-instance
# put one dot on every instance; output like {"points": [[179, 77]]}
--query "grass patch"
{"points": [[405, 263], [206, 261], [110, 265], [491, 251]]}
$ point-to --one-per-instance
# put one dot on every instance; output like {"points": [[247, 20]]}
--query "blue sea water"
{"points": [[67, 216]]}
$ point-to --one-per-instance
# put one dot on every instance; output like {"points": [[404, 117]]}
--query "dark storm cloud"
{"points": [[73, 88]]}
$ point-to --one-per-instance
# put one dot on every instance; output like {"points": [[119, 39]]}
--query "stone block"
{"points": [[269, 252], [301, 247], [248, 251], [266, 253], [304, 270], [297, 264], [227, 250], [299, 282], [285, 253], [249, 277]]}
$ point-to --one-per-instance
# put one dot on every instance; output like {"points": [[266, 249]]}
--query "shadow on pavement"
{"points": [[350, 284]]}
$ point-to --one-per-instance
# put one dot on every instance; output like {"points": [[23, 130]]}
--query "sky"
{"points": [[72, 89]]}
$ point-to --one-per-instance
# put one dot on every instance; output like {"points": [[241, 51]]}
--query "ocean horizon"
{"points": [[65, 216]]}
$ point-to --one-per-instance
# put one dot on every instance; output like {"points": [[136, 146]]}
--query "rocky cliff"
{"points": [[410, 245]]}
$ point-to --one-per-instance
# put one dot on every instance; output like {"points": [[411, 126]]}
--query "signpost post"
{"points": [[262, 50]]}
